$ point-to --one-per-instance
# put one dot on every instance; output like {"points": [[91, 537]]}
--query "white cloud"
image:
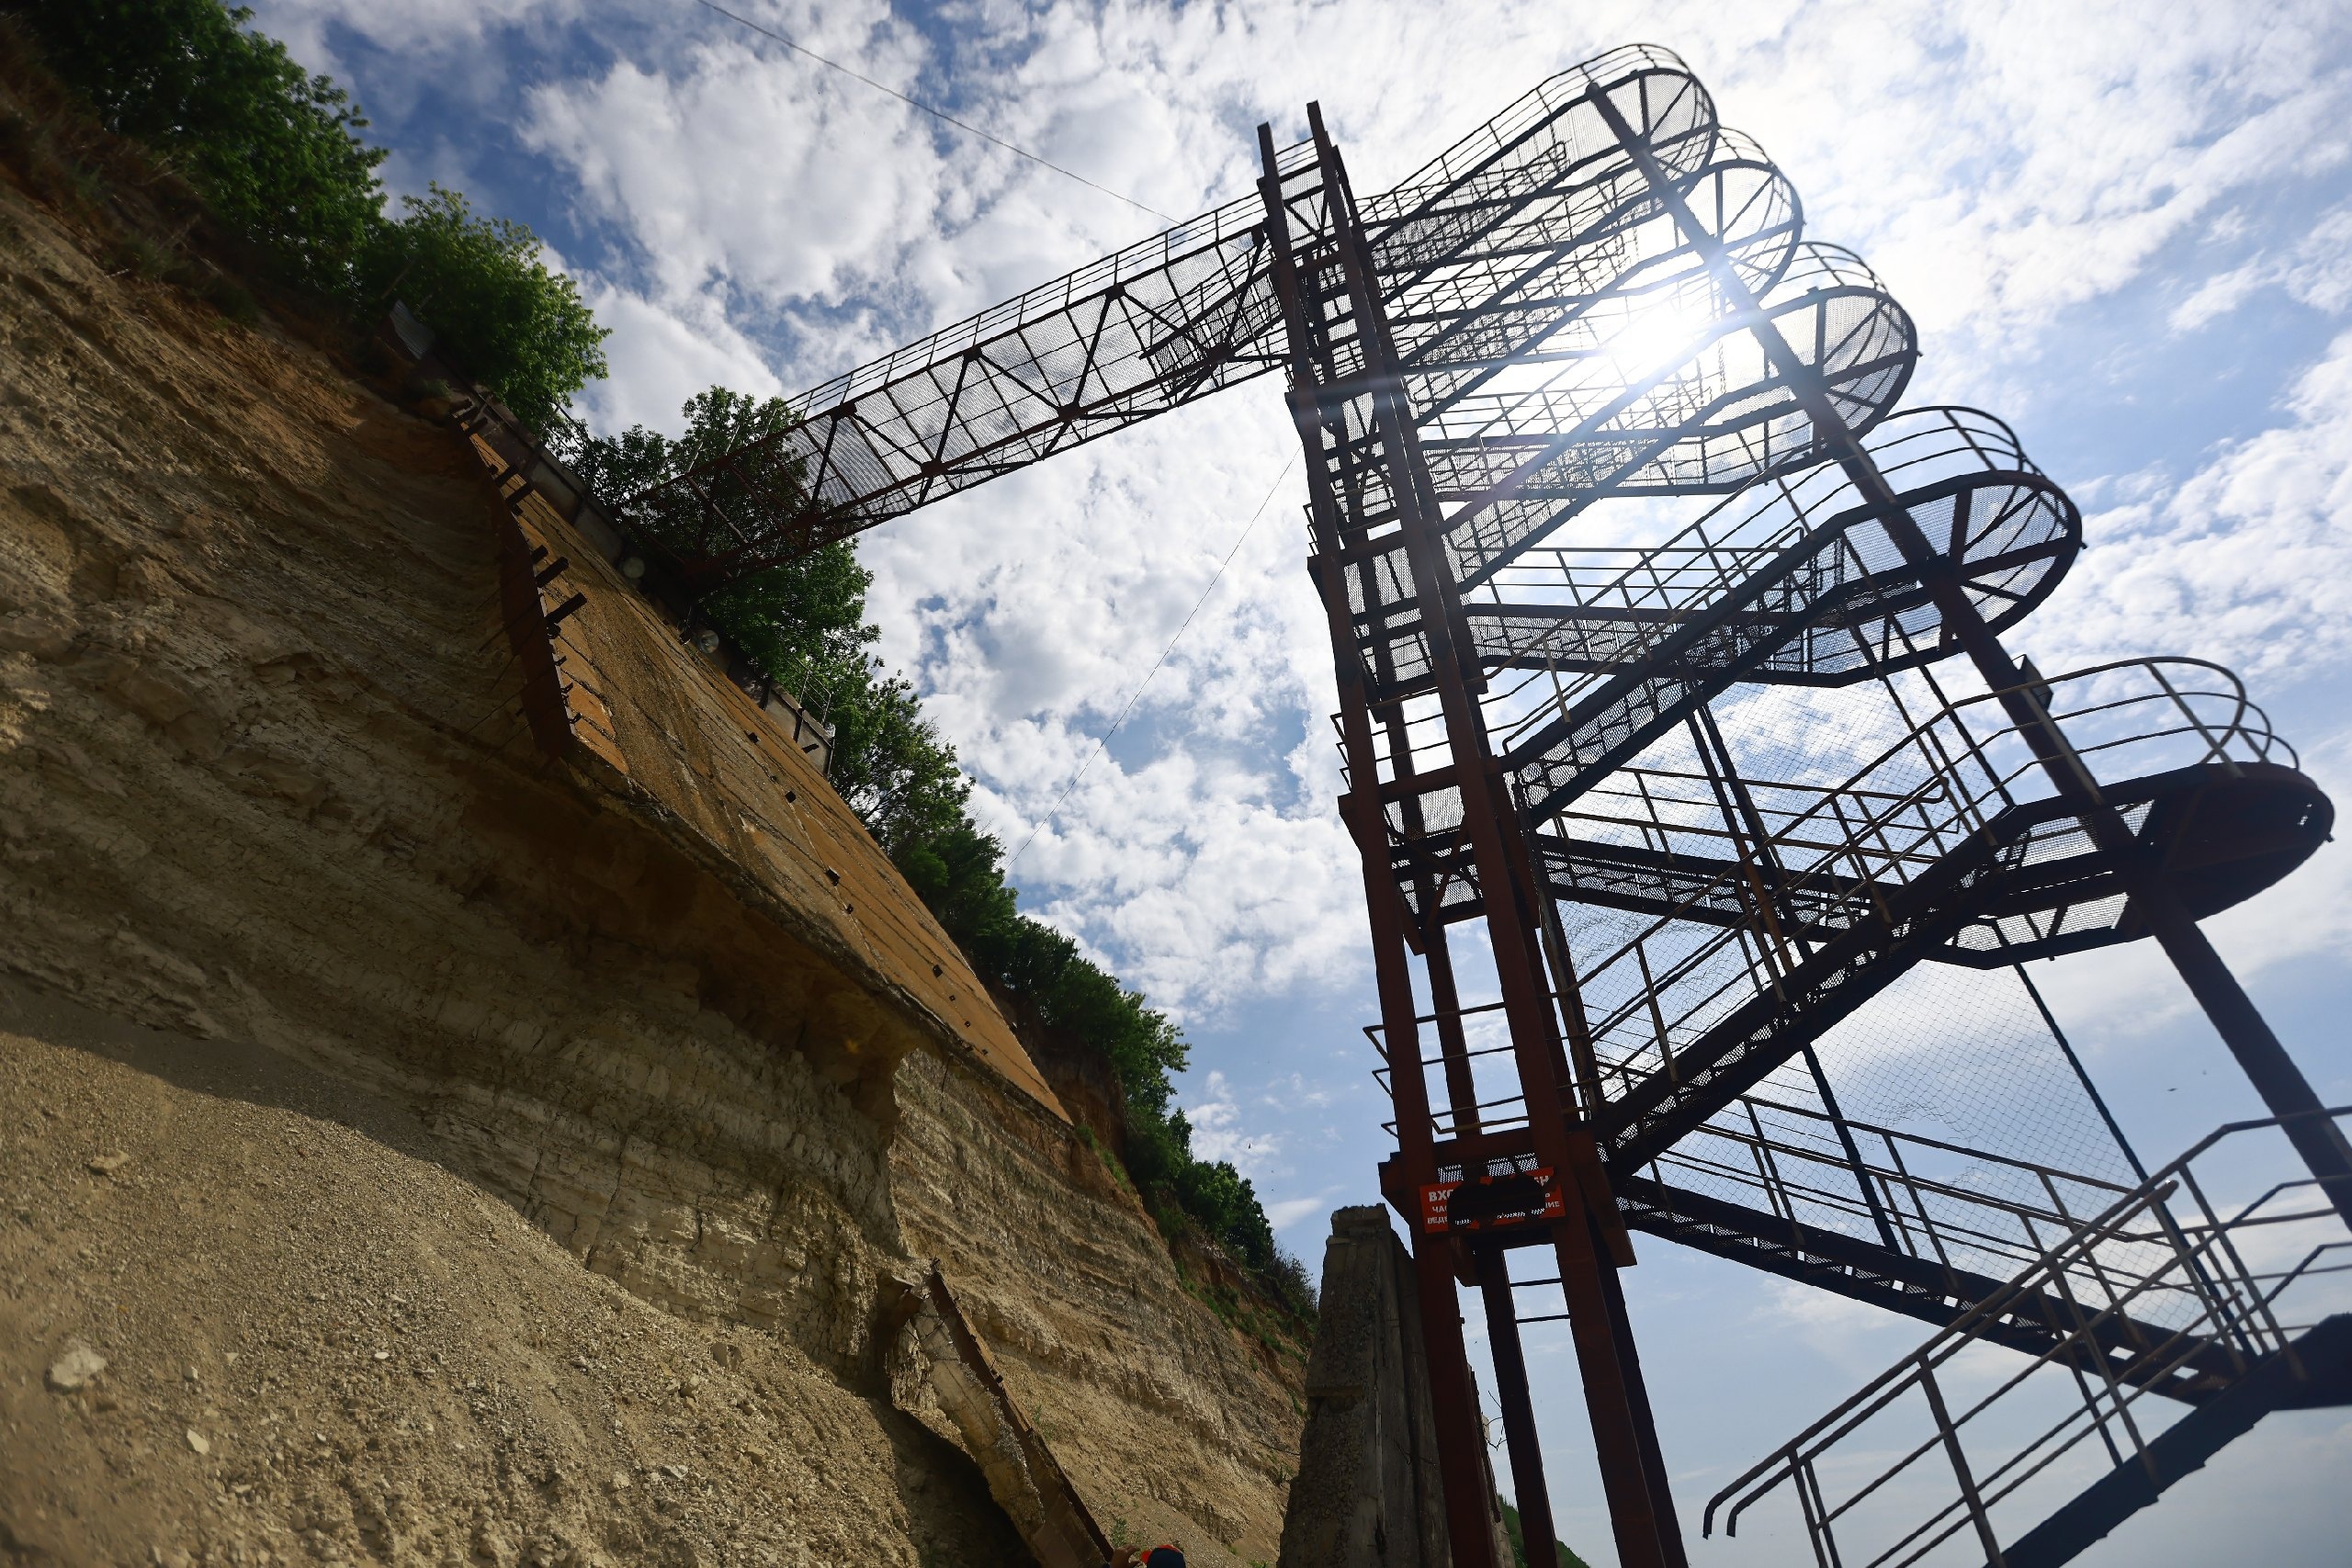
{"points": [[760, 174], [1217, 1132], [2247, 561], [1295, 1093], [2001, 162], [1289, 1212], [1856, 1338], [2317, 270], [1200, 853], [440, 31], [661, 356]]}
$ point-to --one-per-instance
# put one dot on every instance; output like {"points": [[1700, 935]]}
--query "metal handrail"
{"points": [[2240, 1307], [1851, 832], [1921, 1203], [1935, 1221], [1674, 580]]}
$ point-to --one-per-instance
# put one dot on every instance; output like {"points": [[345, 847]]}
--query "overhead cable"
{"points": [[964, 125], [1137, 695]]}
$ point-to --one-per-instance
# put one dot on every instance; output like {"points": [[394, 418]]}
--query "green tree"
{"points": [[958, 870], [272, 149], [275, 154], [804, 623], [1225, 1203], [482, 284]]}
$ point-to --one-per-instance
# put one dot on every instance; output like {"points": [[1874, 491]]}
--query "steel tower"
{"points": [[1605, 776]]}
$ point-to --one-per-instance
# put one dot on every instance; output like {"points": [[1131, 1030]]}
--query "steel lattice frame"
{"points": [[1604, 294]]}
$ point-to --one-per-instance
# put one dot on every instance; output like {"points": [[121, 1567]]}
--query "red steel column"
{"points": [[1621, 1439], [1453, 1409], [1536, 1527]]}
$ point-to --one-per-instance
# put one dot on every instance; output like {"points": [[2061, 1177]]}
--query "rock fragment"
{"points": [[78, 1368], [40, 636], [107, 1164], [199, 1441]]}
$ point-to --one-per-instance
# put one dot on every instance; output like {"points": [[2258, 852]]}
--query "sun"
{"points": [[1659, 334]]}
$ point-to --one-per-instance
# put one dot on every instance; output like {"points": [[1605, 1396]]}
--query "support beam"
{"points": [[1526, 1450], [1368, 480], [1618, 1436], [2274, 1074], [1454, 1411]]}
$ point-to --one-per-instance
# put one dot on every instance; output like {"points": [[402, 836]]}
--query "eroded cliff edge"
{"points": [[299, 918]]}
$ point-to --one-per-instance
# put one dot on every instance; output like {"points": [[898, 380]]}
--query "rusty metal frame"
{"points": [[1475, 366]]}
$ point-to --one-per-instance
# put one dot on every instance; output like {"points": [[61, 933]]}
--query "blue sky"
{"points": [[2125, 229]]}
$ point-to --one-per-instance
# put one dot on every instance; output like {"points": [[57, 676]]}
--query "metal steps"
{"points": [[2314, 1370], [1922, 1466], [2132, 1352], [2224, 833]]}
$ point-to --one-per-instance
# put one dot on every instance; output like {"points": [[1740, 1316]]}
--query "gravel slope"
{"points": [[320, 1344]]}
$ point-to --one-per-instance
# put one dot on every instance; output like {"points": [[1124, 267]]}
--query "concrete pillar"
{"points": [[1368, 1493]]}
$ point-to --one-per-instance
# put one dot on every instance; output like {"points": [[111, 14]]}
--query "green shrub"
{"points": [[275, 154], [271, 148], [1519, 1543], [1225, 1203], [139, 255], [522, 329]]}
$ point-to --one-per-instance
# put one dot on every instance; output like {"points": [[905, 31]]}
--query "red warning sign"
{"points": [[1493, 1200]]}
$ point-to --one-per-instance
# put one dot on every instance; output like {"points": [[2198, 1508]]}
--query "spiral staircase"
{"points": [[1703, 796]]}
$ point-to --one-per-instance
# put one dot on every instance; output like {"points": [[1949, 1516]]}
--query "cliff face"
{"points": [[301, 917], [1165, 1418]]}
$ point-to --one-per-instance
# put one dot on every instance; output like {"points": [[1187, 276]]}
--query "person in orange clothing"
{"points": [[1147, 1557]]}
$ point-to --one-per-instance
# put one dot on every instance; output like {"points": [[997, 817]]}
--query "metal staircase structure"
{"points": [[2249, 1313], [1568, 741]]}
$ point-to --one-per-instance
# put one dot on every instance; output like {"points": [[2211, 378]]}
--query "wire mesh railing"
{"points": [[1791, 582], [1801, 859], [1923, 1224], [1929, 1199], [1707, 906], [1921, 452], [1940, 1459], [1565, 272], [1681, 399]]}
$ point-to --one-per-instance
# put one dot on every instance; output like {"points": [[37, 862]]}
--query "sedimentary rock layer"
{"points": [[266, 794]]}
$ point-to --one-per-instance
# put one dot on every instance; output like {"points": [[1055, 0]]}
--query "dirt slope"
{"points": [[321, 1345], [381, 1002]]}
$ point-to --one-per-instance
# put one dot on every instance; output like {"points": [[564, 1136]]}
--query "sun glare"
{"points": [[1660, 336]]}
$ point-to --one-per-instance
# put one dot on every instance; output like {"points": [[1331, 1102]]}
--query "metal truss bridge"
{"points": [[1704, 807]]}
